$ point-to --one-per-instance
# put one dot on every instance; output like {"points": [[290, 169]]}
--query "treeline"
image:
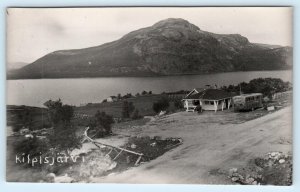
{"points": [[129, 95], [164, 103], [266, 86]]}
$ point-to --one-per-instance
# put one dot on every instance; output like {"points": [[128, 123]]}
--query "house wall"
{"points": [[206, 106], [189, 104], [220, 105], [210, 107]]}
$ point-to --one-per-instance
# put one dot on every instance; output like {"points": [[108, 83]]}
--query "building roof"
{"points": [[199, 89], [210, 94], [249, 94]]}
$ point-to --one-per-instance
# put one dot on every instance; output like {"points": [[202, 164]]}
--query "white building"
{"points": [[208, 99]]}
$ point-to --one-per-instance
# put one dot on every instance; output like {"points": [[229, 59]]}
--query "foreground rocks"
{"points": [[275, 168], [105, 161]]}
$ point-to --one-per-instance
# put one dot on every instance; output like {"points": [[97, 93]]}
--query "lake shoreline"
{"points": [[81, 91], [143, 75]]}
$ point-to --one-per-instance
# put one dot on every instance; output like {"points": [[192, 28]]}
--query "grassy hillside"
{"points": [[142, 103]]}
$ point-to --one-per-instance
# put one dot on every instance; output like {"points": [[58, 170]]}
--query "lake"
{"points": [[34, 92]]}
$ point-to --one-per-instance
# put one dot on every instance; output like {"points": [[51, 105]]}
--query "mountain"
{"points": [[169, 47]]}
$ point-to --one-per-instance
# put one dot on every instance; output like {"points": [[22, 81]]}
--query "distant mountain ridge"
{"points": [[169, 47]]}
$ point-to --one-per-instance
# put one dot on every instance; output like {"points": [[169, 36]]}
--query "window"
{"points": [[212, 103], [206, 102], [249, 98]]}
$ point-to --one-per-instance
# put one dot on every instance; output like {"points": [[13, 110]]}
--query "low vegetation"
{"points": [[63, 137], [100, 124], [58, 141], [266, 86], [161, 105], [127, 109], [33, 118], [142, 103]]}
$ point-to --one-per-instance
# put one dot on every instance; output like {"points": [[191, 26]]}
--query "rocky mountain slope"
{"points": [[169, 47]]}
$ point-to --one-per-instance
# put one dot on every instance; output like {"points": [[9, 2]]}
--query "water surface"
{"points": [[35, 92]]}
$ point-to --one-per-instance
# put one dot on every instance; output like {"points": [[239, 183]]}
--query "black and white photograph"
{"points": [[150, 95]]}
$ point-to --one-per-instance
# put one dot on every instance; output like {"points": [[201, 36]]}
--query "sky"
{"points": [[35, 32]]}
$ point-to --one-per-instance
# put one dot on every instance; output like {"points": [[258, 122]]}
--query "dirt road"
{"points": [[208, 145]]}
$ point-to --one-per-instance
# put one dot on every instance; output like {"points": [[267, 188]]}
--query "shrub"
{"points": [[161, 105], [33, 147], [266, 86], [22, 118], [101, 124], [178, 104], [16, 127], [136, 115], [63, 137], [128, 95], [127, 109]]}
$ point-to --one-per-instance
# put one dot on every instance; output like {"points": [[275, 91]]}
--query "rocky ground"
{"points": [[215, 148], [210, 147], [105, 161], [275, 168]]}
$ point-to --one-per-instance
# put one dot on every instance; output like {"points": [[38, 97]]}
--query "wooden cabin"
{"points": [[207, 99]]}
